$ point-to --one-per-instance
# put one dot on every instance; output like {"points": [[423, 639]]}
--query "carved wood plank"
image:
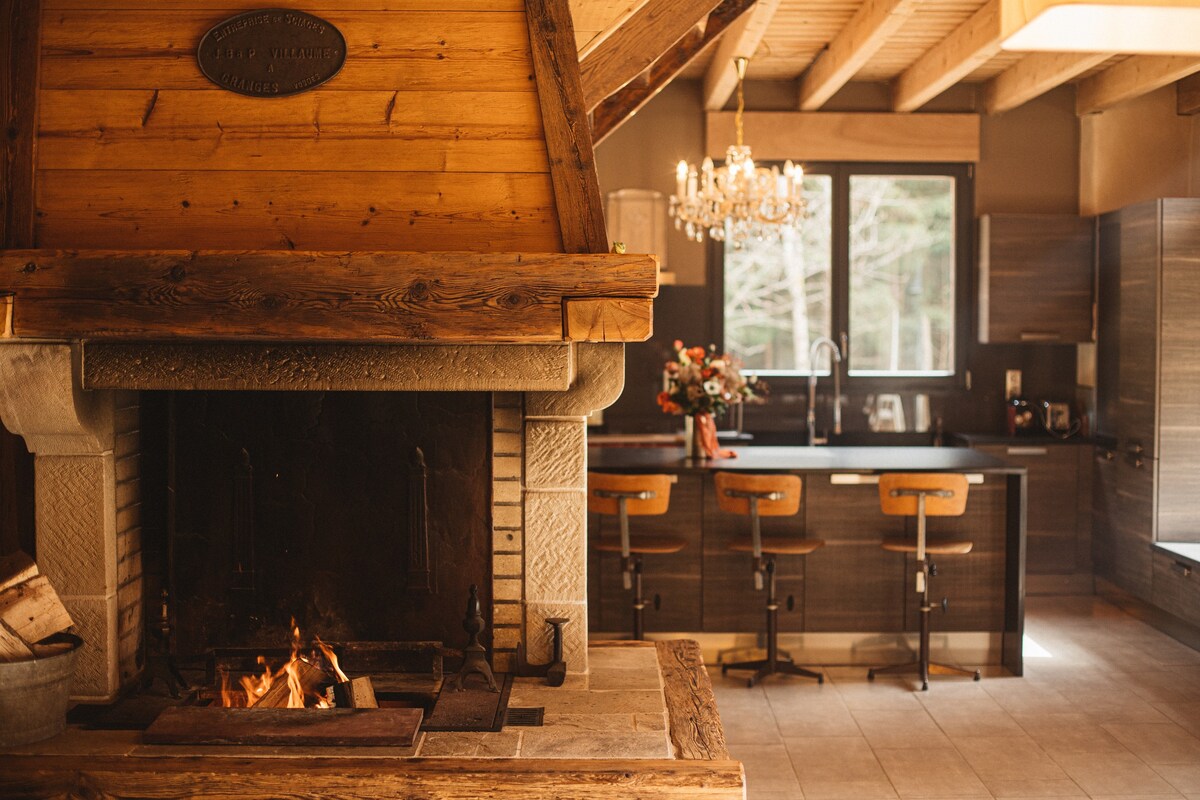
{"points": [[639, 43], [947, 62], [310, 295], [695, 725], [33, 611], [610, 319], [332, 727], [19, 66], [855, 44], [1133, 77], [568, 135], [622, 105], [1187, 97], [1033, 76], [743, 38], [305, 776]]}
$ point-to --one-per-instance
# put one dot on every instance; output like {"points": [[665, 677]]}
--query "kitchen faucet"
{"points": [[836, 359]]}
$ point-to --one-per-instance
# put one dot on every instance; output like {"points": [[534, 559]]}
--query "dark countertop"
{"points": [[803, 459], [971, 439]]}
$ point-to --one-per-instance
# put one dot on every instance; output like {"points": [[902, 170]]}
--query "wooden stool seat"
{"points": [[777, 545], [644, 544], [938, 547]]}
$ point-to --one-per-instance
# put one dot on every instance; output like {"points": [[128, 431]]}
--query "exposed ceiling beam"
{"points": [[622, 105], [949, 61], [854, 45], [646, 36], [1133, 77], [1187, 97], [741, 40], [1033, 76], [612, 27]]}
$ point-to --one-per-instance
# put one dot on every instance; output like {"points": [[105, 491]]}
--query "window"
{"points": [[878, 264]]}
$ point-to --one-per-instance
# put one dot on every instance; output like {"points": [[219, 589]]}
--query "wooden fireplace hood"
{"points": [[442, 188]]}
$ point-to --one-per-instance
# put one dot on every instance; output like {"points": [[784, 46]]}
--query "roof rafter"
{"points": [[742, 39], [645, 37], [1133, 77], [862, 37], [1033, 76], [951, 60]]}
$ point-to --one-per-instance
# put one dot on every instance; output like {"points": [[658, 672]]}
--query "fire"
{"points": [[254, 687]]}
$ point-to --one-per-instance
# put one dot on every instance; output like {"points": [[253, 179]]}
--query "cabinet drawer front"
{"points": [[1051, 523], [1177, 587]]}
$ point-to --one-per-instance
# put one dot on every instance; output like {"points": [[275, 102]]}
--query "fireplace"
{"points": [[93, 413]]}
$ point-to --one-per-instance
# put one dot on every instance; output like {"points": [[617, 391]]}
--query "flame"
{"points": [[253, 687]]}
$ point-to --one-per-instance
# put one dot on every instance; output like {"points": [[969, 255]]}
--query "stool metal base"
{"points": [[764, 668], [916, 666]]}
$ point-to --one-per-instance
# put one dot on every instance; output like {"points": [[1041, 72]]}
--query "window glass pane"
{"points": [[901, 275], [777, 292]]}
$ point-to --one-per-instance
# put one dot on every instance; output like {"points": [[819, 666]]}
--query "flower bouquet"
{"points": [[700, 384]]}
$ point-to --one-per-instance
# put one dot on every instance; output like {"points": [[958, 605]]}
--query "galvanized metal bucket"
{"points": [[33, 696]]}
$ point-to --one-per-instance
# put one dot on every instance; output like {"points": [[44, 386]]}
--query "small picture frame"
{"points": [[1058, 416]]}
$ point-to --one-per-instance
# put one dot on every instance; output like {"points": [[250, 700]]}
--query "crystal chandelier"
{"points": [[737, 200]]}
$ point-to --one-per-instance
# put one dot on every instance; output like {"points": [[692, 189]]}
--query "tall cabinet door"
{"points": [[1108, 302], [1137, 337]]}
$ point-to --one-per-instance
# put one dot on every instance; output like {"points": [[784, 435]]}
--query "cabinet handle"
{"points": [[1183, 569], [1027, 451], [1040, 336]]}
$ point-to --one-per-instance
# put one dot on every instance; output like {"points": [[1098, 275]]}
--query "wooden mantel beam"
{"points": [[741, 39], [970, 45], [614, 111], [1133, 77], [641, 41], [1033, 76], [324, 296], [854, 45]]}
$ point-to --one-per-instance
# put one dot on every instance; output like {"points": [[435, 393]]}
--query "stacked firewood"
{"points": [[30, 612]]}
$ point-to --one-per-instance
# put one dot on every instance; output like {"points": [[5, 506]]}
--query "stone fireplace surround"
{"points": [[76, 406]]}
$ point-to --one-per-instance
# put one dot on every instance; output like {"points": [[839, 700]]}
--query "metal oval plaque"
{"points": [[271, 52]]}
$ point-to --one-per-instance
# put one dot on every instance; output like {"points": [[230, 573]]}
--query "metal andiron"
{"points": [[474, 654]]}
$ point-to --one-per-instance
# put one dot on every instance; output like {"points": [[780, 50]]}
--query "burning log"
{"points": [[355, 693], [302, 680]]}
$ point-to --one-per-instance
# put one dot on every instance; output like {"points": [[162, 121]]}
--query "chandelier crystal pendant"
{"points": [[737, 200]]}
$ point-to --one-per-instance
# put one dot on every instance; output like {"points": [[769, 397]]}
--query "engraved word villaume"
{"points": [[271, 53]]}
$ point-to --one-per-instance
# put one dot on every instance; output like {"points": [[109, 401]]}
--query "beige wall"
{"points": [[1136, 151], [1029, 156]]}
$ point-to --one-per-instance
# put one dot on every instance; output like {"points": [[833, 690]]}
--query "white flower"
{"points": [[718, 363], [713, 387]]}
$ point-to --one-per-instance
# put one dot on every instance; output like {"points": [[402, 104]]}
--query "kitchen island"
{"points": [[851, 588]]}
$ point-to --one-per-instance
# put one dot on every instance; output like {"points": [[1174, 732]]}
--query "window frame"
{"points": [[964, 277]]}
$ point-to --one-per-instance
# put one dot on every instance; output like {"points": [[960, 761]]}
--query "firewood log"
{"points": [[12, 648], [355, 693], [16, 568], [33, 611], [312, 680]]}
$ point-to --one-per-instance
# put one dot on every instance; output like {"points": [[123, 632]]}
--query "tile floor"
{"points": [[1114, 712]]}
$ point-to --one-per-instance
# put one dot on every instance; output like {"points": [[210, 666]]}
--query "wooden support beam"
{"points": [[854, 45], [610, 319], [1133, 77], [949, 61], [19, 63], [640, 42], [622, 105], [742, 39], [289, 295], [1187, 99], [612, 27], [1033, 76], [828, 136], [568, 134]]}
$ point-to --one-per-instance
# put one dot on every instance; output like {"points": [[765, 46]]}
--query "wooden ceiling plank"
{"points": [[568, 134], [741, 39], [646, 36], [1133, 77], [612, 27], [614, 111], [1187, 97], [949, 61], [864, 34], [1033, 76]]}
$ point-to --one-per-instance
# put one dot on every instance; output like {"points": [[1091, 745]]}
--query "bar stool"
{"points": [[924, 495], [760, 496], [633, 496]]}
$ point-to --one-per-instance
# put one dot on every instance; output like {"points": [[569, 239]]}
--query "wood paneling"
{"points": [[318, 296], [1036, 278], [248, 210], [1137, 337], [829, 136], [369, 131], [19, 65]]}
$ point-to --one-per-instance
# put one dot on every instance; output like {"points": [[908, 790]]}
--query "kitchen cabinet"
{"points": [[1036, 278], [1148, 369], [1058, 555]]}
